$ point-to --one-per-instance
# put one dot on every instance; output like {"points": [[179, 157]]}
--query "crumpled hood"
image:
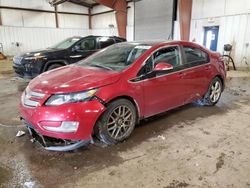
{"points": [[72, 78]]}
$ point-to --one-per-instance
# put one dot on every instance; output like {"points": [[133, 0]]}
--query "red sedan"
{"points": [[108, 93]]}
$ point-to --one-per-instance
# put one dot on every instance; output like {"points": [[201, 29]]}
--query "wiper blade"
{"points": [[101, 66]]}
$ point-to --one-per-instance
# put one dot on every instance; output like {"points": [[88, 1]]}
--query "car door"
{"points": [[195, 72], [83, 49], [162, 90]]}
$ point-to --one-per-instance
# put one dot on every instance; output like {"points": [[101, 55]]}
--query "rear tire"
{"points": [[117, 123], [54, 66], [213, 94]]}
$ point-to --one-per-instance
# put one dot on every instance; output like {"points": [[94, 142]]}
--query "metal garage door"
{"points": [[153, 19]]}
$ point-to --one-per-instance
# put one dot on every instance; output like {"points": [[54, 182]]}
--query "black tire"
{"points": [[105, 124], [54, 66], [208, 100]]}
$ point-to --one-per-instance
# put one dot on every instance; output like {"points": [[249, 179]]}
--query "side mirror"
{"points": [[163, 66]]}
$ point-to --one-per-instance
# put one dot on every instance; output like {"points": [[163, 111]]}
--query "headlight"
{"points": [[35, 57], [59, 99]]}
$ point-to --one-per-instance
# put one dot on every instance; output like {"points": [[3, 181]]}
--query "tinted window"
{"points": [[195, 55], [119, 40], [105, 41], [169, 55], [66, 43], [88, 44]]}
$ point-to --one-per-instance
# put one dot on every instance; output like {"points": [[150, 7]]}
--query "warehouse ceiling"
{"points": [[86, 3]]}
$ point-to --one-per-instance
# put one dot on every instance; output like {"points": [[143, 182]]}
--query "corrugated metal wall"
{"points": [[34, 38], [233, 19], [35, 30]]}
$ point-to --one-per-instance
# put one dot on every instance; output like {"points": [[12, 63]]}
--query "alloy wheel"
{"points": [[215, 91], [120, 121]]}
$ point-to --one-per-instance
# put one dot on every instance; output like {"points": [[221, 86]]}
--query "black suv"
{"points": [[71, 50]]}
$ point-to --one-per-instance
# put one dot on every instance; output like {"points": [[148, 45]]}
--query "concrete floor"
{"points": [[191, 146]]}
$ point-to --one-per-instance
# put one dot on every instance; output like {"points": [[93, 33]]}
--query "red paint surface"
{"points": [[152, 96]]}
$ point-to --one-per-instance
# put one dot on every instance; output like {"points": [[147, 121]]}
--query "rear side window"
{"points": [[195, 55], [105, 41], [117, 40]]}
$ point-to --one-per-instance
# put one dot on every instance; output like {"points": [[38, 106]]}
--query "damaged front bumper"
{"points": [[54, 144]]}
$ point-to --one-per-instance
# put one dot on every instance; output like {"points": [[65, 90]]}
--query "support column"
{"points": [[185, 12], [120, 8], [90, 19], [1, 23], [56, 17]]}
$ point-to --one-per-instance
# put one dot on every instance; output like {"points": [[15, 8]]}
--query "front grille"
{"points": [[31, 98], [17, 60]]}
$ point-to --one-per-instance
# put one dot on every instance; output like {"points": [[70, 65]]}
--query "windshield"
{"points": [[116, 57], [66, 43]]}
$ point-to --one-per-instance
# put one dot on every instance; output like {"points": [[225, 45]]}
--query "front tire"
{"points": [[117, 123], [214, 92], [54, 66]]}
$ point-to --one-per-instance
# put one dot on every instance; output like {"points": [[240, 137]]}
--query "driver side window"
{"points": [[88, 44], [170, 55]]}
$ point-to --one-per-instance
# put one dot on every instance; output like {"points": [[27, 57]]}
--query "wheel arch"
{"points": [[222, 81], [49, 63], [132, 100]]}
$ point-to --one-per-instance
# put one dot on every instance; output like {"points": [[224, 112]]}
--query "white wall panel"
{"points": [[197, 9], [213, 8], [233, 19], [99, 8], [12, 17], [35, 4], [104, 32], [236, 7], [103, 21], [11, 3], [38, 19], [73, 21], [34, 38], [70, 7], [42, 19]]}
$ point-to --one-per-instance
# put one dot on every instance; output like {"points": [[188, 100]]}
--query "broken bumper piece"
{"points": [[55, 144]]}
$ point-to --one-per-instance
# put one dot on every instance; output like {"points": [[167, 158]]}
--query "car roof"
{"points": [[167, 42], [97, 36]]}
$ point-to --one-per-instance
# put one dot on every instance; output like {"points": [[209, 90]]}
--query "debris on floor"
{"points": [[162, 137], [20, 133], [30, 184]]}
